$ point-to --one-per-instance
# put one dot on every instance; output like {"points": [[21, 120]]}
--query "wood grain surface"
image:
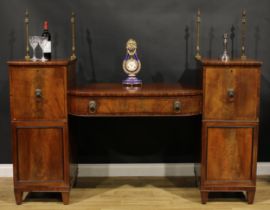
{"points": [[132, 193], [231, 98]]}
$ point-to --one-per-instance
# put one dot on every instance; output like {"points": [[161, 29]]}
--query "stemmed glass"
{"points": [[42, 43], [34, 40]]}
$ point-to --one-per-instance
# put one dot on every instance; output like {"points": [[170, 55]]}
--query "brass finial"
{"points": [[198, 22], [26, 23], [243, 34], [72, 21], [131, 46]]}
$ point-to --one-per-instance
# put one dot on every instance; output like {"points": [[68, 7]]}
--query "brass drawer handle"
{"points": [[231, 94], [92, 106], [177, 106], [38, 93]]}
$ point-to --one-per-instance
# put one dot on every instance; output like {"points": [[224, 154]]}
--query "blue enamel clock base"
{"points": [[132, 83]]}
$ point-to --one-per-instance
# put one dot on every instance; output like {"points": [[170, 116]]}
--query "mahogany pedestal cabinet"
{"points": [[42, 156], [230, 117]]}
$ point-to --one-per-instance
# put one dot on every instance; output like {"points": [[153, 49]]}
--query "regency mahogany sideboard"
{"points": [[43, 94]]}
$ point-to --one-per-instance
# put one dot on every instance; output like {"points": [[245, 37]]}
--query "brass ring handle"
{"points": [[231, 93], [38, 93], [177, 106], [92, 106]]}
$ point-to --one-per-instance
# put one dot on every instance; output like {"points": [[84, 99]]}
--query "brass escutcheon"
{"points": [[230, 92], [38, 93]]}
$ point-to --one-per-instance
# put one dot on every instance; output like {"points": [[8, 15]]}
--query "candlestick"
{"points": [[225, 56]]}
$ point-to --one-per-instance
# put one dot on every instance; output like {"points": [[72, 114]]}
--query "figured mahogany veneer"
{"points": [[231, 95], [243, 77], [25, 84], [151, 99]]}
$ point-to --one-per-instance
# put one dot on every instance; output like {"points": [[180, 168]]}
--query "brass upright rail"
{"points": [[72, 20], [243, 34], [198, 22], [26, 23]]}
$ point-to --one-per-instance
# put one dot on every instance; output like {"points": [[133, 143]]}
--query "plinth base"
{"points": [[132, 83]]}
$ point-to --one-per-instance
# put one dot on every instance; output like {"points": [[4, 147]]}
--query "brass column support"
{"points": [[243, 34], [26, 23], [72, 20], [198, 22]]}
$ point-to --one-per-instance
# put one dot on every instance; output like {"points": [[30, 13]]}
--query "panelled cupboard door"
{"points": [[231, 93], [229, 153], [38, 93], [39, 154]]}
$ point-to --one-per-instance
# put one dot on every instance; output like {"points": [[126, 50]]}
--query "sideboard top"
{"points": [[115, 89], [60, 62], [216, 62]]}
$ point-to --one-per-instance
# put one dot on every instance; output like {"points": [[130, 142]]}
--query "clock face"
{"points": [[132, 65]]}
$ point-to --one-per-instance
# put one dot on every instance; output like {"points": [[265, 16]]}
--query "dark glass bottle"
{"points": [[48, 49]]}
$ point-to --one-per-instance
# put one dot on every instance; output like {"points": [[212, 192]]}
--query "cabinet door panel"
{"points": [[231, 93], [38, 93], [40, 154], [229, 153]]}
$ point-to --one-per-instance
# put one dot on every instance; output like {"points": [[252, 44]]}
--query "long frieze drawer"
{"points": [[91, 106]]}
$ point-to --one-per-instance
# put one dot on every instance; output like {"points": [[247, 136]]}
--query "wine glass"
{"points": [[34, 40], [42, 43]]}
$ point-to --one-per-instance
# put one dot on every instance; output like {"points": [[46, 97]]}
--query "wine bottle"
{"points": [[48, 48]]}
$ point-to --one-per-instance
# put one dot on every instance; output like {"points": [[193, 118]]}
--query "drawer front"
{"points": [[37, 93], [231, 93], [86, 106]]}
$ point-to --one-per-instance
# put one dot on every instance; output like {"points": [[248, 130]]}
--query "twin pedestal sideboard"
{"points": [[42, 95]]}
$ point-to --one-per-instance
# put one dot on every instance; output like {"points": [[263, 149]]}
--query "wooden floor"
{"points": [[132, 193]]}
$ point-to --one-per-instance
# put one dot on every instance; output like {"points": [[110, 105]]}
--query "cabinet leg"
{"points": [[65, 198], [18, 196], [250, 196], [204, 197]]}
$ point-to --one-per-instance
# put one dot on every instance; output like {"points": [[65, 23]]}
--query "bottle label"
{"points": [[48, 47]]}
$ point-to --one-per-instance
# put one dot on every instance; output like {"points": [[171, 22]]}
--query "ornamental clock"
{"points": [[132, 65]]}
